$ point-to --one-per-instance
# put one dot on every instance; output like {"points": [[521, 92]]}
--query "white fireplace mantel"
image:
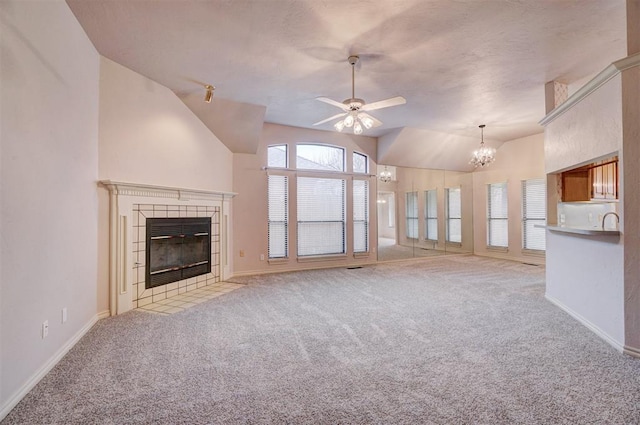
{"points": [[121, 200], [167, 192]]}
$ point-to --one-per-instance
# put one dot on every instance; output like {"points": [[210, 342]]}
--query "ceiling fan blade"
{"points": [[331, 118], [376, 122], [333, 102], [398, 100]]}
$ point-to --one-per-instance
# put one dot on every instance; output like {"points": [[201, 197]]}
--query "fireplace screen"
{"points": [[176, 249]]}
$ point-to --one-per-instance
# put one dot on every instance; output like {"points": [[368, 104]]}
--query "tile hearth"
{"points": [[189, 299]]}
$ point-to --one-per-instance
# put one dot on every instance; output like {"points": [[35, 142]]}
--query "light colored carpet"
{"points": [[448, 340]]}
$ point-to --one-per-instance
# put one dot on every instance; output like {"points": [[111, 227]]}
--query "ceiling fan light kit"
{"points": [[354, 115]]}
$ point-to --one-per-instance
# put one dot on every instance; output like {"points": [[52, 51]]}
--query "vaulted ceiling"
{"points": [[458, 63]]}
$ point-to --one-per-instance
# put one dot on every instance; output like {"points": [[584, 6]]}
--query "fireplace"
{"points": [[190, 254], [176, 249]]}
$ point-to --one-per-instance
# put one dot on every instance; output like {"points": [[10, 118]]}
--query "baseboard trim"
{"points": [[40, 373], [632, 351], [297, 269], [372, 262], [593, 328], [537, 259]]}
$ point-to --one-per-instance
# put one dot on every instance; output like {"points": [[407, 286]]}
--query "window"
{"points": [[412, 214], [277, 156], [321, 216], [321, 208], [497, 218], [534, 211], [453, 215], [278, 194], [360, 163], [431, 215], [319, 157], [360, 216]]}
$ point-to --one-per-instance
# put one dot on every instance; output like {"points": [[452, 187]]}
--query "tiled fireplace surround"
{"points": [[141, 212], [130, 205]]}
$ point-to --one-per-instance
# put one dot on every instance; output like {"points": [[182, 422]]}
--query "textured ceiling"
{"points": [[458, 63]]}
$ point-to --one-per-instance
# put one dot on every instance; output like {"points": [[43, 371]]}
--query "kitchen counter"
{"points": [[591, 231]]}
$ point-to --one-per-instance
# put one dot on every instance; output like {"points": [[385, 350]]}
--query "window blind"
{"points": [[278, 194], [360, 216], [534, 211], [454, 215], [431, 216], [497, 215], [321, 216], [411, 201]]}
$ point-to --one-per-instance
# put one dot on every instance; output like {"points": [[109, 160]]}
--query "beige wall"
{"points": [[148, 136], [630, 192], [250, 205], [516, 160], [49, 76]]}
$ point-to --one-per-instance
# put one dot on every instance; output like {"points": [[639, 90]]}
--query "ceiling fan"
{"points": [[355, 110]]}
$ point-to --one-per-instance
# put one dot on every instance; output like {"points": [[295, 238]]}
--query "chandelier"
{"points": [[355, 119], [385, 175], [484, 154]]}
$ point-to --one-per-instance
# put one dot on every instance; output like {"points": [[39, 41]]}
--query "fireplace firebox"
{"points": [[176, 249]]}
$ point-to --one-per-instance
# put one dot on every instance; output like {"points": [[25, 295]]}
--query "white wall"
{"points": [[591, 129], [585, 275], [516, 160], [49, 76], [250, 205], [149, 136]]}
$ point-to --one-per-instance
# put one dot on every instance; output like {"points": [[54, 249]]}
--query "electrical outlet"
{"points": [[45, 329], [64, 314], [261, 257], [242, 252]]}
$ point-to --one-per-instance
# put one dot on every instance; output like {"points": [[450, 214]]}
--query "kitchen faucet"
{"points": [[605, 216]]}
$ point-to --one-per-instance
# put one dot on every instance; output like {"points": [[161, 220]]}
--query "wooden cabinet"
{"points": [[604, 181], [575, 186], [596, 181]]}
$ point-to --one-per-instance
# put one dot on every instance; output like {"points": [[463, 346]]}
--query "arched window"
{"points": [[319, 157]]}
